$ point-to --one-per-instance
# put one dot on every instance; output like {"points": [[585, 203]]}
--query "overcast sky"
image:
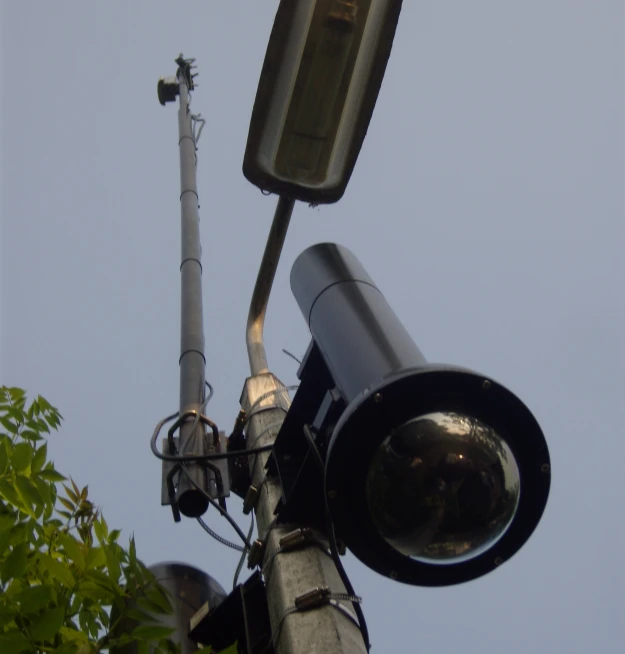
{"points": [[487, 204]]}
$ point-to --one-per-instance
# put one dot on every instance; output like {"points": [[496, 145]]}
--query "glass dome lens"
{"points": [[443, 488]]}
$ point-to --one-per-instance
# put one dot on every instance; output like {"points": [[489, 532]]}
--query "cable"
{"points": [[343, 575], [292, 356], [223, 512], [264, 396], [243, 555], [207, 399], [219, 538], [197, 120], [194, 458], [313, 448], [332, 538]]}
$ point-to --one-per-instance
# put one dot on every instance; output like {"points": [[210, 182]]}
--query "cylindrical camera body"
{"points": [[359, 336]]}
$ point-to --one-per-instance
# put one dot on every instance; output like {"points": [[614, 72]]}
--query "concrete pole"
{"points": [[289, 574]]}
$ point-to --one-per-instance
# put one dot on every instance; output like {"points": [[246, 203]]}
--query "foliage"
{"points": [[62, 571]]}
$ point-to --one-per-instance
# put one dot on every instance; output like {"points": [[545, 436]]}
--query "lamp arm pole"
{"points": [[264, 282]]}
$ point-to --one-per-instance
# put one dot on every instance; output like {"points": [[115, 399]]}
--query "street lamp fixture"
{"points": [[319, 83], [432, 475]]}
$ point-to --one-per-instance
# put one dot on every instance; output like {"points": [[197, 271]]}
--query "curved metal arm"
{"points": [[264, 282]]}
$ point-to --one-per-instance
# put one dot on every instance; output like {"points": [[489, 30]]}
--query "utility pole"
{"points": [[296, 562]]}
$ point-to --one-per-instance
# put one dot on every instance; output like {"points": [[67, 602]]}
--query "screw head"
{"points": [[486, 384], [498, 560], [546, 468], [332, 494], [393, 575], [377, 398]]}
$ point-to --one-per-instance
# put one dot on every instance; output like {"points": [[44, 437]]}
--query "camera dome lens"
{"points": [[443, 488]]}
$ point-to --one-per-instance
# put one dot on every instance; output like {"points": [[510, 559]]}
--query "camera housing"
{"points": [[433, 474]]}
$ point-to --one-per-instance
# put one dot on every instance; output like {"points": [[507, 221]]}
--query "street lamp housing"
{"points": [[323, 69]]}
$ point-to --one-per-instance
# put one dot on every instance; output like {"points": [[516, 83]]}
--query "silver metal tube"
{"points": [[264, 282], [191, 501]]}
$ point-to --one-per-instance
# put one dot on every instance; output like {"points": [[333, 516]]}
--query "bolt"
{"points": [[546, 468], [377, 398], [498, 560], [393, 575], [486, 384], [332, 494]]}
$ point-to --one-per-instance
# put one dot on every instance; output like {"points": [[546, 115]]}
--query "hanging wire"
{"points": [[220, 539], [332, 539], [196, 420], [292, 356], [244, 553], [195, 458], [224, 513], [196, 119]]}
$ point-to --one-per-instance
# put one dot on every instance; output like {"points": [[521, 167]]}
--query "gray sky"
{"points": [[487, 204]]}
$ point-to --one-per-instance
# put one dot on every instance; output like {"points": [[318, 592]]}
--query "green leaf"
{"points": [[160, 597], [30, 435], [57, 570], [10, 426], [16, 414], [148, 605], [138, 615], [132, 552], [7, 616], [44, 490], [71, 494], [42, 425], [51, 474], [114, 535], [5, 445], [44, 405], [73, 550], [7, 490], [28, 492], [13, 642], [34, 598], [95, 592], [15, 564], [39, 458], [15, 392], [73, 635], [101, 529], [46, 625], [67, 504], [7, 521], [21, 457], [112, 562], [151, 632], [95, 558]]}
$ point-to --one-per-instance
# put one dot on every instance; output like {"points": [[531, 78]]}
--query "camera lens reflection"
{"points": [[443, 488]]}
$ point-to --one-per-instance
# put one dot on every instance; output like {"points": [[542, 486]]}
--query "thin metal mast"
{"points": [[191, 501]]}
